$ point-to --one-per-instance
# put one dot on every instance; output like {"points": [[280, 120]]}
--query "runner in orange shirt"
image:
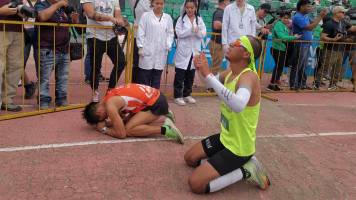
{"points": [[129, 110]]}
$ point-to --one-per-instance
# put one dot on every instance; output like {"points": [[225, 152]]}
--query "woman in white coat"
{"points": [[190, 30], [154, 40]]}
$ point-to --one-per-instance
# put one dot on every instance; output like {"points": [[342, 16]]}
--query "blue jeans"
{"points": [[298, 77], [61, 76]]}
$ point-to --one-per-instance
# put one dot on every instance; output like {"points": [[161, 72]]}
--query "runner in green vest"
{"points": [[230, 154]]}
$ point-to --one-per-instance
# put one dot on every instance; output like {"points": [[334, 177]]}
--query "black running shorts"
{"points": [[221, 158], [160, 107]]}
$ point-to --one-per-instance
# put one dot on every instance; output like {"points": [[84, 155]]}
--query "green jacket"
{"points": [[280, 31]]}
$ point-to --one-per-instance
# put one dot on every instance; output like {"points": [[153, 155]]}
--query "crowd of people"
{"points": [[231, 20]]}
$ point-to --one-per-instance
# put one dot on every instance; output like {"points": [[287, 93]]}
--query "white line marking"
{"points": [[133, 140], [316, 105]]}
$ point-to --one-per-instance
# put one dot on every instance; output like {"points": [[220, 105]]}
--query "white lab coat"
{"points": [[155, 37], [188, 41], [142, 7], [232, 19]]}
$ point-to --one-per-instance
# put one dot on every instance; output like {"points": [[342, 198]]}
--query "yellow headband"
{"points": [[247, 44]]}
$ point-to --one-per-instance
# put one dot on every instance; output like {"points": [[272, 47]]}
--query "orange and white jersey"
{"points": [[137, 97]]}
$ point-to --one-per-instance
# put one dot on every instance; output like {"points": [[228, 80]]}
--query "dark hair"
{"points": [[256, 46], [89, 113], [151, 2], [302, 3], [197, 4], [282, 14]]}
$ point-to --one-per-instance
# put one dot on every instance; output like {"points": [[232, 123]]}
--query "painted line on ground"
{"points": [[133, 140], [316, 105]]}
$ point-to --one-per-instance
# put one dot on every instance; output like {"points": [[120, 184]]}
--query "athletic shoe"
{"points": [[190, 99], [172, 132], [332, 87], [30, 90], [96, 96], [256, 174], [273, 87], [171, 116], [11, 107], [180, 101]]}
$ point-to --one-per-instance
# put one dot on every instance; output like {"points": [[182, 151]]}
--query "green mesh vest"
{"points": [[238, 130]]}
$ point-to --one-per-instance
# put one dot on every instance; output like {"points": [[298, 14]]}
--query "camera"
{"points": [[69, 10], [119, 30], [24, 10]]}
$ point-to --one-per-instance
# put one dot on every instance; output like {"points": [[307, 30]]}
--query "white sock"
{"points": [[224, 181]]}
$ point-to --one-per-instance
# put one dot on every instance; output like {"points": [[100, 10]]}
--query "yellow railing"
{"points": [[80, 90]]}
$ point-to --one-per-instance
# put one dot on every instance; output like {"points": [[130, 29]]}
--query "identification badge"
{"points": [[224, 122]]}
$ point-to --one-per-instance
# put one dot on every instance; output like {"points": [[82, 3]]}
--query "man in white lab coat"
{"points": [[239, 19]]}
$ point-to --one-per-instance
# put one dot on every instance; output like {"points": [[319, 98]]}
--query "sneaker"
{"points": [[256, 174], [62, 104], [190, 99], [332, 87], [316, 86], [273, 87], [179, 101], [171, 116], [172, 132], [11, 107], [96, 96], [305, 87], [30, 90]]}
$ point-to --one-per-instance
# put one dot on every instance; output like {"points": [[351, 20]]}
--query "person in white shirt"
{"points": [[100, 41], [239, 19], [190, 30], [154, 40], [138, 7]]}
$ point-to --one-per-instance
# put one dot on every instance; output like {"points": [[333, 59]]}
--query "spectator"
{"points": [[302, 26], [261, 13], [191, 30], [204, 4], [30, 41], [215, 45], [154, 40], [100, 41], [239, 19], [334, 30], [10, 45], [54, 59], [138, 7], [280, 35]]}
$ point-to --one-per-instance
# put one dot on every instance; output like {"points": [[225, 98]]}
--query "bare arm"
{"points": [[46, 14], [6, 11], [92, 14], [112, 108], [324, 37], [315, 23]]}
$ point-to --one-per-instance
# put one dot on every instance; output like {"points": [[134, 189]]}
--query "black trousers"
{"points": [[116, 55], [183, 81], [150, 77], [280, 60], [136, 59]]}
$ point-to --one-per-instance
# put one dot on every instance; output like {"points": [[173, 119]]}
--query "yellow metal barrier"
{"points": [[73, 89], [77, 87]]}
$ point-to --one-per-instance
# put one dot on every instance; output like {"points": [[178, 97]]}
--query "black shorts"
{"points": [[221, 158], [160, 107]]}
